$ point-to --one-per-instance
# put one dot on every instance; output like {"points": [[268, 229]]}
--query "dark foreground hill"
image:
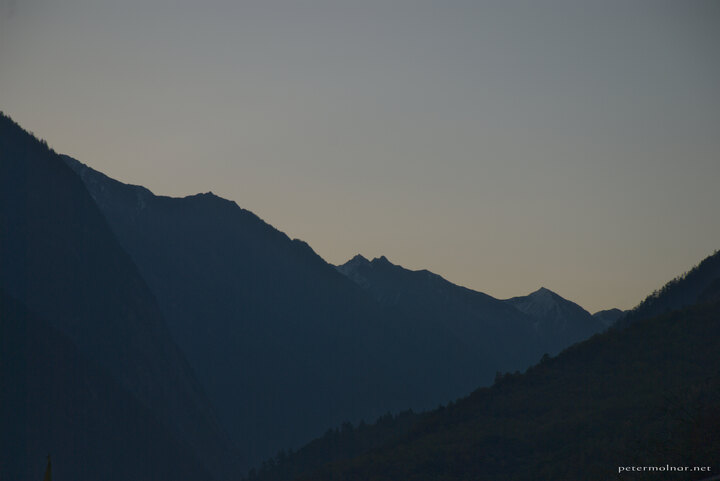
{"points": [[609, 316], [684, 290], [646, 395], [59, 258], [57, 401]]}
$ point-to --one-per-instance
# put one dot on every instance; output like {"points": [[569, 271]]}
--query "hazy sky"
{"points": [[504, 145]]}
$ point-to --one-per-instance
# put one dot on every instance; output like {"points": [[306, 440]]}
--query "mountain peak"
{"points": [[542, 299], [204, 195], [542, 291], [557, 315], [352, 267], [358, 259], [382, 260], [545, 296]]}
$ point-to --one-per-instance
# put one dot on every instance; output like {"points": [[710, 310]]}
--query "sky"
{"points": [[504, 145]]}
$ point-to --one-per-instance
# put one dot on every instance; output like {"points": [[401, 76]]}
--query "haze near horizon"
{"points": [[503, 145]]}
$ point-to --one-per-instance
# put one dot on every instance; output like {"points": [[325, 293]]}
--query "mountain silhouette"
{"points": [[195, 340], [514, 332], [695, 285], [557, 321], [645, 395], [60, 259], [283, 343], [609, 316], [56, 400], [498, 332]]}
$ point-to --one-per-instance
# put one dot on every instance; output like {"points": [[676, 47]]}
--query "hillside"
{"points": [[684, 290], [609, 316], [558, 322], [57, 401], [283, 343], [512, 338], [59, 258], [641, 396]]}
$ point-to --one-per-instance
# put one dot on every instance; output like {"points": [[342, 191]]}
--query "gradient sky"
{"points": [[504, 145]]}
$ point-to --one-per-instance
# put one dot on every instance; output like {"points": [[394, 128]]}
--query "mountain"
{"points": [[608, 317], [646, 395], [283, 344], [60, 259], [559, 322], [684, 290], [57, 401], [514, 332], [503, 334]]}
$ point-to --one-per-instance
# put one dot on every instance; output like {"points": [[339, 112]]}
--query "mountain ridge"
{"points": [[259, 315], [609, 316], [550, 315], [561, 322], [572, 416], [59, 257], [682, 291]]}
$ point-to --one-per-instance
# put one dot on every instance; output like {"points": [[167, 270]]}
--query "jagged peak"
{"points": [[203, 195], [544, 289], [382, 260], [212, 198], [544, 292], [359, 258], [356, 261]]}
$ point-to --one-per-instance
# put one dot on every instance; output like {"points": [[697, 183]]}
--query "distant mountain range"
{"points": [[475, 321], [646, 394], [513, 332], [285, 346], [204, 340], [557, 321]]}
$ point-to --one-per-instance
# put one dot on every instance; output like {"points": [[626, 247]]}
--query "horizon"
{"points": [[502, 146], [381, 256]]}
